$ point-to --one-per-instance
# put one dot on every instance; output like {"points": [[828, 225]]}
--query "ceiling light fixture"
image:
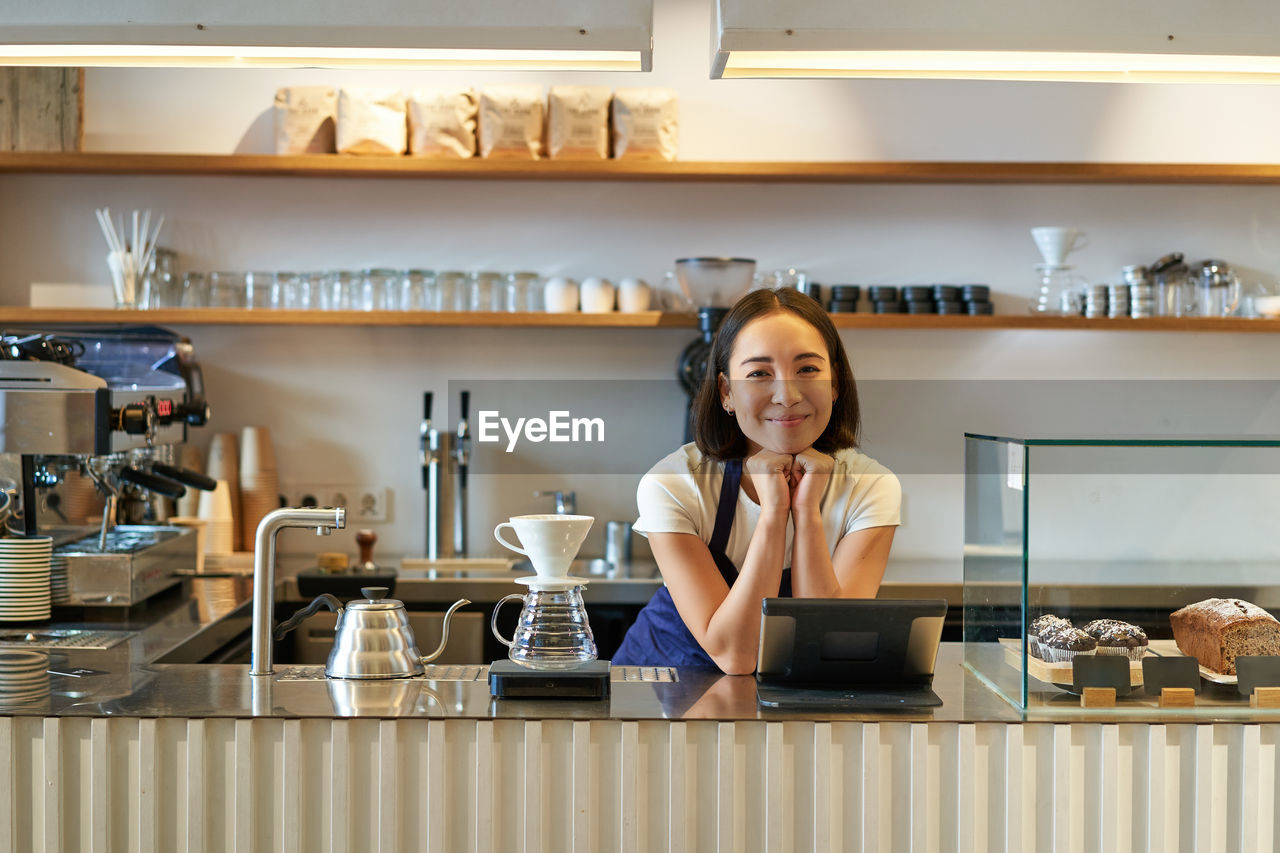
{"points": [[575, 35], [1181, 41]]}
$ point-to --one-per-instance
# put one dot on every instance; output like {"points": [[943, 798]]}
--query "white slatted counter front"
{"points": [[165, 785]]}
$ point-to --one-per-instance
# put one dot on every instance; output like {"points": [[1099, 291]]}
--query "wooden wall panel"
{"points": [[41, 109]]}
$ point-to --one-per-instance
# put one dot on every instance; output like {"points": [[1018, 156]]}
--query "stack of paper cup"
{"points": [[189, 457], [81, 502], [259, 481], [224, 464], [201, 528], [24, 578], [215, 509]]}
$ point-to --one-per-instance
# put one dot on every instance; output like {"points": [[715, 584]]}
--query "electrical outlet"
{"points": [[365, 504]]}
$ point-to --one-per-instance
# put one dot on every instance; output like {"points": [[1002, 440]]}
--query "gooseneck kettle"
{"points": [[373, 638]]}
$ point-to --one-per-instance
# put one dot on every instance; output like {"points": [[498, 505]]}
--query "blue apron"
{"points": [[659, 636]]}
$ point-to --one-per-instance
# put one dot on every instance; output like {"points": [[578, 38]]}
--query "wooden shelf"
{"points": [[348, 166], [16, 316]]}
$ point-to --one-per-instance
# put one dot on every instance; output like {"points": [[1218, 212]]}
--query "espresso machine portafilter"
{"points": [[110, 406]]}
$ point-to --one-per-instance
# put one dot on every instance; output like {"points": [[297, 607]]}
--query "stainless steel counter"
{"points": [[148, 675]]}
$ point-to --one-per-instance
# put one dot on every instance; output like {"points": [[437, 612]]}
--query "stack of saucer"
{"points": [[24, 679], [59, 588], [24, 578], [259, 481], [224, 464]]}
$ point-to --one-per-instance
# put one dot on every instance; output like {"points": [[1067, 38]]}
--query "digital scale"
{"points": [[510, 680]]}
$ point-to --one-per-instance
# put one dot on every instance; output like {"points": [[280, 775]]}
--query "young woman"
{"points": [[772, 499]]}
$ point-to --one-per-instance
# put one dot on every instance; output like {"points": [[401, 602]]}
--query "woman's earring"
{"points": [[728, 410]]}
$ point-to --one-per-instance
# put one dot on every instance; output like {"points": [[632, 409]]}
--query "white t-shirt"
{"points": [[680, 495]]}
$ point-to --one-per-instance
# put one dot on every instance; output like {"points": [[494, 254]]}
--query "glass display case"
{"points": [[1127, 529]]}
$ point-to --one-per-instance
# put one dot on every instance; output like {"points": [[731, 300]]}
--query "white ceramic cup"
{"points": [[1056, 242], [634, 295], [560, 295], [596, 295], [550, 541]]}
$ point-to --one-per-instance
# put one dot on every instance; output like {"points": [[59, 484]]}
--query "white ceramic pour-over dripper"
{"points": [[1056, 242], [550, 541]]}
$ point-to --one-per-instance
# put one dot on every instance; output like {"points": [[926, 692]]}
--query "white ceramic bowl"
{"points": [[1267, 306]]}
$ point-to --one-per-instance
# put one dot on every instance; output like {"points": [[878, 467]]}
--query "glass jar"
{"points": [[287, 294], [450, 292], [226, 290], [523, 292], [1219, 291], [161, 287], [379, 290], [415, 287], [195, 291], [484, 292], [342, 290], [259, 289]]}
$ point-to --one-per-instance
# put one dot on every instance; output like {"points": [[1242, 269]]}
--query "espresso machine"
{"points": [[109, 405]]}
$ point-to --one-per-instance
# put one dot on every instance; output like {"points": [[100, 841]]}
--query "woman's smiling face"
{"points": [[780, 385]]}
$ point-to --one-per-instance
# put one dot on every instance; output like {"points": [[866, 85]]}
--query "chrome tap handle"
{"points": [[461, 460], [566, 502]]}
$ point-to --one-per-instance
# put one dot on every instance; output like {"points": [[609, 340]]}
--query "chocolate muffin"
{"points": [[1118, 638], [1061, 645], [1041, 625]]}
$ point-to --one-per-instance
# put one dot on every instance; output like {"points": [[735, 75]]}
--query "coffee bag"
{"points": [[578, 122], [371, 121], [511, 122], [646, 124], [442, 123], [304, 119]]}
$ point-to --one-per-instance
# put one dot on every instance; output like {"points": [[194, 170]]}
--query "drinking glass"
{"points": [[161, 287], [450, 292], [287, 294], [226, 290], [379, 290], [312, 294], [415, 287], [195, 292], [523, 290], [259, 289], [343, 288], [483, 292]]}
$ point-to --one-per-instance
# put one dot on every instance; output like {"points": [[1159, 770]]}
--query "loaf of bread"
{"points": [[1218, 630]]}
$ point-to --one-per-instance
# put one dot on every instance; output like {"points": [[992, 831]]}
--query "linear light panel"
{"points": [[1085, 40], [616, 35]]}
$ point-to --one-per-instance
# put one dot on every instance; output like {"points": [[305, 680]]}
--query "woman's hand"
{"points": [[770, 473], [809, 474]]}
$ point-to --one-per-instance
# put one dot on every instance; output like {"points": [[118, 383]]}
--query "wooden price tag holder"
{"points": [[1258, 677], [1265, 697], [1099, 679], [1177, 697], [1177, 678]]}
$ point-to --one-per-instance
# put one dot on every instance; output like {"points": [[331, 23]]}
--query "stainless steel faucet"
{"points": [[264, 571], [566, 502]]}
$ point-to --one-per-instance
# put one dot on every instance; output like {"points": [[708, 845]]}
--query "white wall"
{"points": [[345, 401]]}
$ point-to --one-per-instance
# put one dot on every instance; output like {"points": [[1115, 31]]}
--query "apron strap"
{"points": [[725, 509]]}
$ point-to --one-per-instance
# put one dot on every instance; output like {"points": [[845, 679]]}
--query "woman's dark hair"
{"points": [[716, 431]]}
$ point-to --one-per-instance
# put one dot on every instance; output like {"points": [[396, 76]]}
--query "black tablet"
{"points": [[848, 653]]}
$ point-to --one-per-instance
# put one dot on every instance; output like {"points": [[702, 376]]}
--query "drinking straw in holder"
{"points": [[127, 262]]}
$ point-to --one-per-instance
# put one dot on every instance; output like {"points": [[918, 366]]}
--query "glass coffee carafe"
{"points": [[552, 632]]}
